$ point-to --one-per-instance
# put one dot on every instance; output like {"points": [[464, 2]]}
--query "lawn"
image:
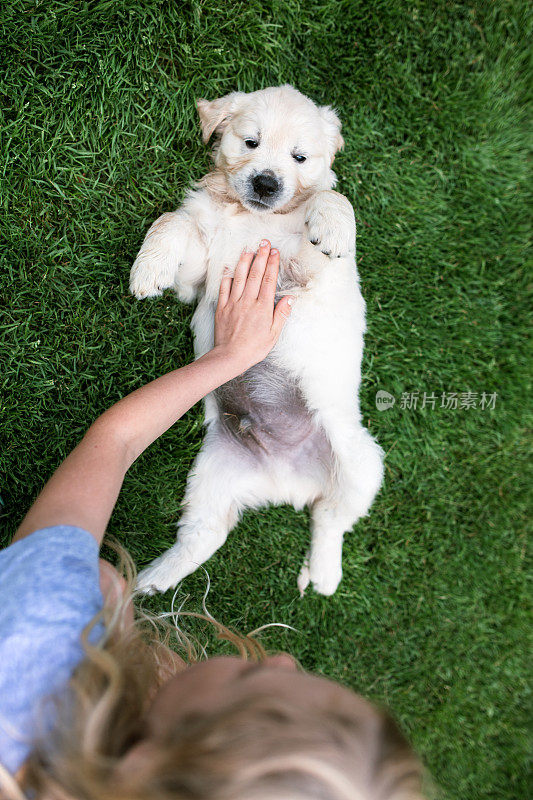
{"points": [[100, 136]]}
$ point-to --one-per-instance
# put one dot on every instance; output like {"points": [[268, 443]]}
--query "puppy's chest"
{"points": [[246, 231]]}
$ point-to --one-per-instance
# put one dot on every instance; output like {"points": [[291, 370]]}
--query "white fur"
{"points": [[321, 345]]}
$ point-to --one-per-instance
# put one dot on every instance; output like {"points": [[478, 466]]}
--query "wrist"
{"points": [[229, 363]]}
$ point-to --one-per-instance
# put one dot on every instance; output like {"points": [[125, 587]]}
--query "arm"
{"points": [[84, 489]]}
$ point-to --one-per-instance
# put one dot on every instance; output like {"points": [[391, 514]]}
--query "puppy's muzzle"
{"points": [[265, 184]]}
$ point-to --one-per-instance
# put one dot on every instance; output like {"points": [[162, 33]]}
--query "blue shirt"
{"points": [[49, 591]]}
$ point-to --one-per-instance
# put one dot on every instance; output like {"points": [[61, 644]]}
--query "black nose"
{"points": [[265, 184]]}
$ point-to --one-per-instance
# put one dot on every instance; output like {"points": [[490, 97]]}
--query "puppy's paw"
{"points": [[163, 573], [156, 266], [330, 224], [323, 575], [304, 578], [144, 280]]}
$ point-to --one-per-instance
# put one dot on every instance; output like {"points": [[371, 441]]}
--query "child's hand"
{"points": [[247, 325]]}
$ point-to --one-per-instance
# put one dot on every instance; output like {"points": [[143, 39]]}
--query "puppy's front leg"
{"points": [[330, 224], [171, 256]]}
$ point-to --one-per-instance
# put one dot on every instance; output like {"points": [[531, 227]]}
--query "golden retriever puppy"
{"points": [[288, 430]]}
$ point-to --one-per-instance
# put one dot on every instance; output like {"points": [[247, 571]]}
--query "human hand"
{"points": [[247, 325]]}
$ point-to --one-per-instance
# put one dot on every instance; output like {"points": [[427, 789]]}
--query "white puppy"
{"points": [[289, 430]]}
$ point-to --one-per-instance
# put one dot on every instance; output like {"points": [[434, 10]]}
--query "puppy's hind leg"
{"points": [[323, 564], [220, 484], [358, 476]]}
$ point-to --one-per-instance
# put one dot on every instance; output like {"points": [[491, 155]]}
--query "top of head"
{"points": [[272, 145]]}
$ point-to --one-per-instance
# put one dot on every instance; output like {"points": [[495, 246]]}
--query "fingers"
{"points": [[257, 270], [281, 315], [269, 278], [240, 275], [225, 288]]}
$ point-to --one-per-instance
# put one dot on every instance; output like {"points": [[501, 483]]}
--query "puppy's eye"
{"points": [[300, 159], [251, 143]]}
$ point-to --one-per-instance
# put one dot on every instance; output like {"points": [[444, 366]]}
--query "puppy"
{"points": [[288, 430]]}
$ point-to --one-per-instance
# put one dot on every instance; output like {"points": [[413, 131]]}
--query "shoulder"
{"points": [[49, 592], [51, 549]]}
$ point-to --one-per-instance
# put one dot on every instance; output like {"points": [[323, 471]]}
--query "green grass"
{"points": [[99, 136]]}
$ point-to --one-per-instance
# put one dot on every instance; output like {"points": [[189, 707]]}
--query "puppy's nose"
{"points": [[265, 184]]}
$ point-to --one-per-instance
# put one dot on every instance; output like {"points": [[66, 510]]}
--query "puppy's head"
{"points": [[273, 146]]}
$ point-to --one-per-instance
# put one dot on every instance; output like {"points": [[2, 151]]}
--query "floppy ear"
{"points": [[332, 125], [215, 114]]}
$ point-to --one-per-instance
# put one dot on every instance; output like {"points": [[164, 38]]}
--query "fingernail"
{"points": [[263, 243], [290, 301], [273, 251]]}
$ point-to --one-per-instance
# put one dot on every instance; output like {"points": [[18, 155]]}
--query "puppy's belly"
{"points": [[264, 411]]}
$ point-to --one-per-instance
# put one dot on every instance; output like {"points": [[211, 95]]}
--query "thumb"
{"points": [[281, 314]]}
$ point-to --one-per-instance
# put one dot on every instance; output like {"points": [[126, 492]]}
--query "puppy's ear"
{"points": [[332, 126], [215, 114]]}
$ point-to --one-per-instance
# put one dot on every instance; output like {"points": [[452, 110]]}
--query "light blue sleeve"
{"points": [[49, 591]]}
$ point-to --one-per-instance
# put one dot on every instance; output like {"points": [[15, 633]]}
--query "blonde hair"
{"points": [[262, 748]]}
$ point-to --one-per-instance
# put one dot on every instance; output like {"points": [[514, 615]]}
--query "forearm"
{"points": [[140, 418], [84, 489]]}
